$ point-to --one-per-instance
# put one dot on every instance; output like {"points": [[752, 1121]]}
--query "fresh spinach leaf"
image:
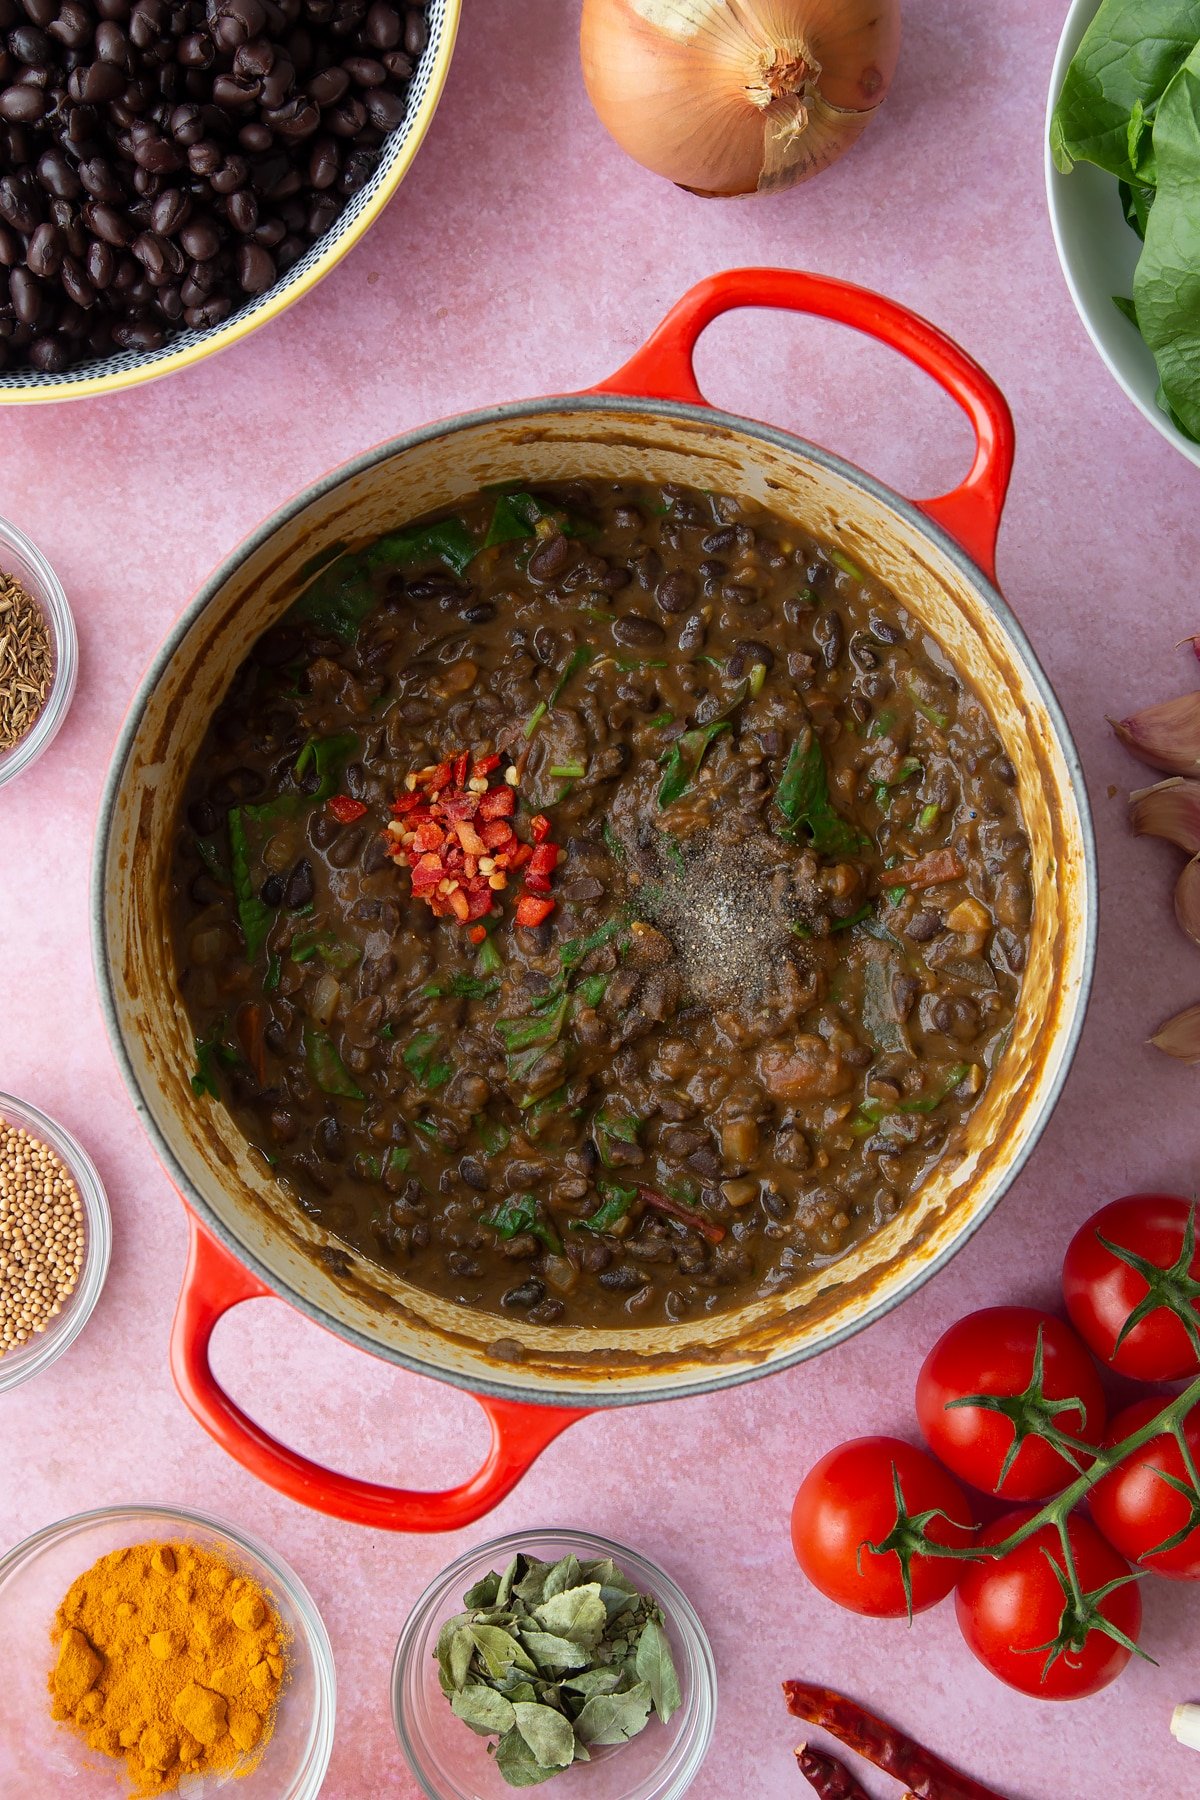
{"points": [[681, 763], [514, 519], [509, 1218], [464, 987], [1129, 55], [327, 1068], [615, 1202], [1166, 283], [254, 916], [333, 951], [1136, 202], [424, 1063], [576, 949], [523, 1034], [516, 514], [338, 601], [803, 798], [608, 1127], [210, 856], [489, 961], [327, 756], [209, 1052], [871, 1111], [492, 1134], [590, 991], [448, 540], [580, 657]]}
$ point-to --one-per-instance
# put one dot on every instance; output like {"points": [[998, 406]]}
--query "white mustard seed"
{"points": [[41, 1236]]}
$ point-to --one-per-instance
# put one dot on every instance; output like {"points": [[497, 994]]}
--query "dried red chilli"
{"points": [[454, 827], [677, 1210], [827, 1777], [924, 1773]]}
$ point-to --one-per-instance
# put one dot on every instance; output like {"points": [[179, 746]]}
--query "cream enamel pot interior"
{"points": [[650, 418]]}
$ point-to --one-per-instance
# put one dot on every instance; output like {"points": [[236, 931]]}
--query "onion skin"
{"points": [[728, 97]]}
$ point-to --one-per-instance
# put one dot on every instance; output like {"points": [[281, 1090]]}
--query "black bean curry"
{"points": [[605, 904]]}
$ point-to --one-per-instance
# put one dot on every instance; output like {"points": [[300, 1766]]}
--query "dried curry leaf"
{"points": [[577, 1613], [549, 1734], [500, 1650], [483, 1709], [517, 1763], [552, 1652], [655, 1666], [614, 1718]]}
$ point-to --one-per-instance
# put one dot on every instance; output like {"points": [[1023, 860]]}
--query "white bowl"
{"points": [[1098, 251]]}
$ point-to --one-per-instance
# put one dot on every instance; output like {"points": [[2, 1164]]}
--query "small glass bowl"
{"points": [[41, 1350], [451, 1763], [40, 1756], [25, 561]]}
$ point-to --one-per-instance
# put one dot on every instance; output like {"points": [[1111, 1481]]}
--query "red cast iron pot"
{"points": [[650, 419]]}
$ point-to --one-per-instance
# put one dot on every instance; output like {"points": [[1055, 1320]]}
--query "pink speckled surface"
{"points": [[525, 254]]}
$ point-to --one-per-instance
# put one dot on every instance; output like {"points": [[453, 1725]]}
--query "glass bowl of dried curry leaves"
{"points": [[554, 1655]]}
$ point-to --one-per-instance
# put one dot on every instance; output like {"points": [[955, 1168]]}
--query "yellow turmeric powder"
{"points": [[168, 1658]]}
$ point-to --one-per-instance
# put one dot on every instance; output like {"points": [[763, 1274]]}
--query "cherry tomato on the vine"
{"points": [[1137, 1509], [848, 1500], [996, 1353], [1154, 1264], [1017, 1615]]}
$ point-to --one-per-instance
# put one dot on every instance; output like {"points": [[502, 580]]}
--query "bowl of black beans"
{"points": [[173, 173]]}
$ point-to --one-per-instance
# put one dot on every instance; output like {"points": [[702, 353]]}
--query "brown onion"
{"points": [[738, 96]]}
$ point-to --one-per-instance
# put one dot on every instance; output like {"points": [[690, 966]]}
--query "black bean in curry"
{"points": [[601, 905]]}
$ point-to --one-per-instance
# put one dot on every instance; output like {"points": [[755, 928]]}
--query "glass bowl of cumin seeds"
{"points": [[39, 653], [55, 1330]]}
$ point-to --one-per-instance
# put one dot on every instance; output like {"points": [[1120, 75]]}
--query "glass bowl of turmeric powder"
{"points": [[195, 1664]]}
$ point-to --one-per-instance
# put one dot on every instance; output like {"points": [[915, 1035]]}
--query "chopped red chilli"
{"points": [[454, 828], [345, 810]]}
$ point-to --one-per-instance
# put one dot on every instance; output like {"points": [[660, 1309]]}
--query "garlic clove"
{"points": [[1170, 810], [1187, 900], [1180, 1036], [1185, 1725], [1167, 736]]}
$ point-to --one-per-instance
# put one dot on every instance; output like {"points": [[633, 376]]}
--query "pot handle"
{"points": [[213, 1282], [663, 370]]}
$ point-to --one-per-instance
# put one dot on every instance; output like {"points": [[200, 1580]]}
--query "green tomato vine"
{"points": [[1033, 1414]]}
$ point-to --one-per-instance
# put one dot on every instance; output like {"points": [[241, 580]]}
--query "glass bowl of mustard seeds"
{"points": [[39, 653], [57, 1204], [40, 1756]]}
